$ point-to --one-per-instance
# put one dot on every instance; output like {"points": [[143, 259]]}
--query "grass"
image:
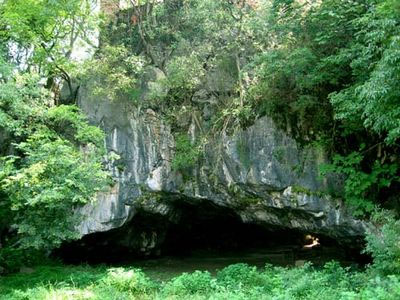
{"points": [[239, 281]]}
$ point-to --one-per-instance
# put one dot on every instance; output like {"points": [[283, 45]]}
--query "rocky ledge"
{"points": [[260, 173]]}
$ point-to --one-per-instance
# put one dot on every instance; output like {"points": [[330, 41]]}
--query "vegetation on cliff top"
{"points": [[326, 71]]}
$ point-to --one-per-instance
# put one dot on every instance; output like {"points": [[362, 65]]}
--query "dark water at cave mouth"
{"points": [[206, 237]]}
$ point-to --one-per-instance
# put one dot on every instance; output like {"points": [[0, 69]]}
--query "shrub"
{"points": [[11, 259], [383, 243], [198, 282], [186, 153], [132, 281], [362, 188], [238, 275], [334, 273], [381, 288]]}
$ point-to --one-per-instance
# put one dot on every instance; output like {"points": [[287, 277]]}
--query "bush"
{"points": [[198, 282], [56, 166], [186, 153], [240, 275], [12, 259], [334, 273], [132, 281], [361, 189], [383, 243]]}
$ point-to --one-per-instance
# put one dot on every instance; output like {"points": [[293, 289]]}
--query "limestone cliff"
{"points": [[260, 173]]}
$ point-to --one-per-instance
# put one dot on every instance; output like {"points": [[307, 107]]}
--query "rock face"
{"points": [[260, 173]]}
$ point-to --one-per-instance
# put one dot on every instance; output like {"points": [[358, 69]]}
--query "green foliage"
{"points": [[373, 97], [113, 72], [198, 282], [330, 282], [240, 276], [20, 100], [293, 80], [233, 117], [12, 259], [44, 33], [131, 281], [52, 179], [186, 153], [184, 74], [362, 187], [383, 243], [49, 279], [200, 45], [329, 71], [340, 56], [55, 166], [50, 157]]}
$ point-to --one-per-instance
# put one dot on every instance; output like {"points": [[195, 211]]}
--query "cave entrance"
{"points": [[216, 230], [204, 233]]}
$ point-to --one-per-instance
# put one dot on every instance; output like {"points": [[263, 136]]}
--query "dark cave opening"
{"points": [[205, 231]]}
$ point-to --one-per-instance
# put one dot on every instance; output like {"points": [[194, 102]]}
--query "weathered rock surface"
{"points": [[260, 173]]}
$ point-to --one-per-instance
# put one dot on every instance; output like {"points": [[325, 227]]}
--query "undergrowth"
{"points": [[239, 281]]}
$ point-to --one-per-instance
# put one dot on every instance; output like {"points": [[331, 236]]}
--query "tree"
{"points": [[374, 97], [54, 164], [41, 35], [51, 159], [330, 76]]}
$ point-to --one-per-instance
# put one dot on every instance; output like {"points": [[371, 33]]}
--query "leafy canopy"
{"points": [[53, 167], [51, 159]]}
